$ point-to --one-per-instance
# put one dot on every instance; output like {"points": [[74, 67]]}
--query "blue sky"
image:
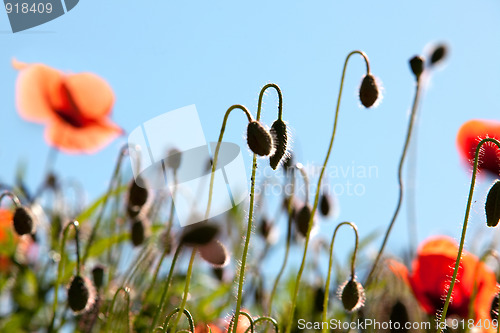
{"points": [[160, 56]]}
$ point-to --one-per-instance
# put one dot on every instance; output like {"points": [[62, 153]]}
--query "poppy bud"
{"points": [[325, 204], [258, 138], [492, 205], [98, 275], [265, 228], [80, 294], [302, 219], [438, 54], [288, 162], [137, 197], [137, 232], [352, 295], [494, 307], [174, 158], [24, 221], [215, 253], [199, 234], [417, 65], [280, 139], [319, 298], [399, 314], [368, 92], [218, 272]]}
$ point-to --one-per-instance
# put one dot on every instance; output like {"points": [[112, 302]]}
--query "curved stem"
{"points": [[400, 182], [126, 291], [287, 249], [316, 197], [186, 289], [233, 323], [303, 173], [353, 261], [60, 268], [12, 197], [116, 172], [170, 315], [464, 227], [280, 99], [265, 318], [160, 309], [216, 154]]}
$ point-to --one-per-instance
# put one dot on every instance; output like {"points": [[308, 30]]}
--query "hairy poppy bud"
{"points": [[492, 205], [24, 221], [280, 139], [438, 54], [98, 275], [302, 219], [325, 204], [352, 295], [494, 307], [80, 294], [137, 232], [258, 138], [417, 65], [199, 234], [368, 92]]}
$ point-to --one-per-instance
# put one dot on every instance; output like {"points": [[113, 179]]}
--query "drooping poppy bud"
{"points": [[259, 139], [438, 54], [137, 232], [174, 158], [280, 139], [417, 66], [24, 221], [369, 91], [494, 307], [137, 197], [492, 205], [199, 234], [98, 275], [215, 253], [399, 314], [80, 294], [302, 219], [352, 295], [325, 204]]}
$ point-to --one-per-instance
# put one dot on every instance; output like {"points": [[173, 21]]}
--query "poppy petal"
{"points": [[34, 87], [87, 139], [91, 95]]}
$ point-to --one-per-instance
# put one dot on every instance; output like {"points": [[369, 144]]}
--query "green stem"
{"points": [[280, 99], [353, 261], [400, 182], [60, 268], [126, 291], [116, 172], [216, 154], [233, 323], [287, 249], [464, 227], [272, 320], [316, 197], [160, 308], [186, 290]]}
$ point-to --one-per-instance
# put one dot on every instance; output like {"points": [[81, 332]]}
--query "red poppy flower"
{"points": [[74, 107], [470, 134], [5, 230], [432, 272]]}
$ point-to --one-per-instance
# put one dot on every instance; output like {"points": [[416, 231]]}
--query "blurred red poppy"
{"points": [[5, 232], [432, 271], [74, 107], [470, 134]]}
